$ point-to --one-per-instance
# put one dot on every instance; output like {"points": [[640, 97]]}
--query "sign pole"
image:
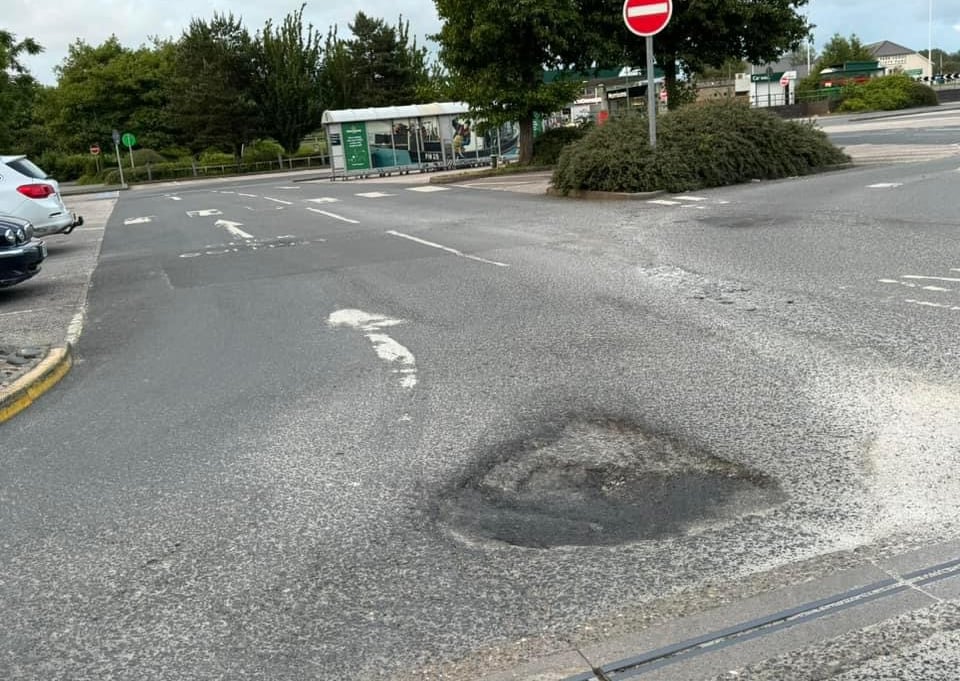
{"points": [[651, 95]]}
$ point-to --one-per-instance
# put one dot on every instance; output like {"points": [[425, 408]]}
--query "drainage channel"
{"points": [[684, 650]]}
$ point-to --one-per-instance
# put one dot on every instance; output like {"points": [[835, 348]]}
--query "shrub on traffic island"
{"points": [[888, 93], [700, 145]]}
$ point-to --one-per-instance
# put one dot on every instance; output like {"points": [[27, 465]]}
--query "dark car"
{"points": [[20, 255]]}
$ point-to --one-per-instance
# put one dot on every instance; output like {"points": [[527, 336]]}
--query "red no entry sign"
{"points": [[647, 17]]}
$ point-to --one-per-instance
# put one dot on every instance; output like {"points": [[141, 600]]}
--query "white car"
{"points": [[28, 193]]}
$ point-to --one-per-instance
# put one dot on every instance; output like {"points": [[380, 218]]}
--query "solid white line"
{"points": [[648, 10], [454, 251], [332, 215], [286, 203], [917, 276]]}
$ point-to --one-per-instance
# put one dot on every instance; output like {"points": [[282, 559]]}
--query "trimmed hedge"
{"points": [[547, 147], [888, 93], [702, 145]]}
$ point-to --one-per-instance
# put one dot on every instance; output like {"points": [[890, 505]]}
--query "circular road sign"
{"points": [[95, 149], [647, 17], [128, 139], [784, 80]]}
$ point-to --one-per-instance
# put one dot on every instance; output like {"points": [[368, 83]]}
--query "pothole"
{"points": [[599, 482]]}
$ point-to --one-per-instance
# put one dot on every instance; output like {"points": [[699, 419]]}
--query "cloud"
{"points": [[135, 22]]}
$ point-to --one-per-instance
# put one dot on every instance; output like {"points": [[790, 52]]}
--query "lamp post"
{"points": [[930, 40], [769, 80]]}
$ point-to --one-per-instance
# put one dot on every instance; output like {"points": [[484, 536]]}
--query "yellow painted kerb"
{"points": [[39, 380]]}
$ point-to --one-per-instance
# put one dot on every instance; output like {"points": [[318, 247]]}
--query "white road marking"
{"points": [[664, 202], [297, 188], [936, 288], [885, 185], [324, 199], [139, 221], [918, 276], [687, 197], [386, 347], [374, 195], [427, 188], [286, 203], [333, 215], [249, 196], [457, 253], [203, 213], [233, 228], [901, 283], [224, 191], [175, 198], [927, 303]]}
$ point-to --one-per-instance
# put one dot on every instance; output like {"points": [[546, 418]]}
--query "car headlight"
{"points": [[10, 235], [21, 235]]}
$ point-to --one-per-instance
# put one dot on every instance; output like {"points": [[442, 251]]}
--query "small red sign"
{"points": [[94, 149], [647, 17]]}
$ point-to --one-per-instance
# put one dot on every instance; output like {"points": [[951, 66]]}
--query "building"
{"points": [[772, 84], [899, 59]]}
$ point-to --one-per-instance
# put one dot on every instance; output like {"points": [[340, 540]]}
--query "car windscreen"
{"points": [[26, 167]]}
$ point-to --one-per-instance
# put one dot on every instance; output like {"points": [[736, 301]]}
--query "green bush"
{"points": [[888, 93], [701, 145], [262, 150], [67, 167], [547, 147]]}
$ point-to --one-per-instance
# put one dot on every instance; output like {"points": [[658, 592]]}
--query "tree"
{"points": [[289, 65], [705, 33], [110, 87], [496, 53], [18, 89], [213, 88], [840, 50]]}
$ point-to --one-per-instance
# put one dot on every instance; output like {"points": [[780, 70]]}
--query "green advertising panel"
{"points": [[355, 146]]}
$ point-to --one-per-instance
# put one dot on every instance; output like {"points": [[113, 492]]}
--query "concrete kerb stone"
{"points": [[592, 195], [29, 387]]}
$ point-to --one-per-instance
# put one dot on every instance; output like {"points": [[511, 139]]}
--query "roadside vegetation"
{"points": [[698, 146], [888, 93]]}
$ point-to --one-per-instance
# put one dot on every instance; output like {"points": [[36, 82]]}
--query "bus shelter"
{"points": [[385, 140]]}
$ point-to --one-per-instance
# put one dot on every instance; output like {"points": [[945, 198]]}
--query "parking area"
{"points": [[46, 311]]}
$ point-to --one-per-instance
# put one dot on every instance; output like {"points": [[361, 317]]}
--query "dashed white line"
{"points": [[323, 199], [427, 188], [687, 197], [333, 215], [249, 196], [927, 303], [207, 212], [918, 276], [174, 198], [374, 195], [139, 221], [885, 185], [454, 251], [664, 202], [286, 203], [297, 188]]}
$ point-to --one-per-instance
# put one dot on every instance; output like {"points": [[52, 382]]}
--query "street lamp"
{"points": [[769, 80]]}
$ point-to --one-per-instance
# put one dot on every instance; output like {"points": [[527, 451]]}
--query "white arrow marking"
{"points": [[324, 199], [233, 228], [203, 213], [332, 215], [139, 221], [648, 10], [386, 348]]}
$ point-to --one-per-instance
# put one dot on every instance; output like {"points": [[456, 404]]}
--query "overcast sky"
{"points": [[56, 25]]}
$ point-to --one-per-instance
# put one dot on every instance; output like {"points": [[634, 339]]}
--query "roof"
{"points": [[395, 113], [886, 48]]}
